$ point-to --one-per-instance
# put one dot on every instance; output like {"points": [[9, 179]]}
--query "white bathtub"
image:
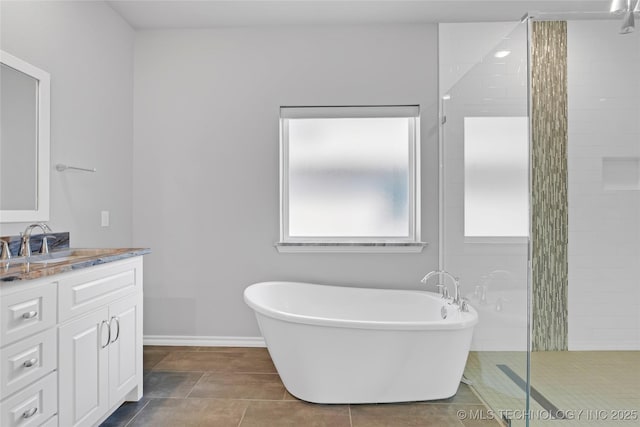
{"points": [[333, 344]]}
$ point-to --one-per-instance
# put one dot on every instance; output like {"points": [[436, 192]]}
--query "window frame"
{"points": [[410, 243]]}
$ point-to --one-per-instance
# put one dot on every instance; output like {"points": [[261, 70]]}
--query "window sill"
{"points": [[353, 247], [515, 240]]}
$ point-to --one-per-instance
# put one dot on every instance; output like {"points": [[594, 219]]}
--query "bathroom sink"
{"points": [[53, 260], [68, 255], [13, 261], [43, 259], [65, 255]]}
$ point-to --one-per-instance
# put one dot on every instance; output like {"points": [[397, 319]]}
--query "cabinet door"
{"points": [[125, 348], [83, 364]]}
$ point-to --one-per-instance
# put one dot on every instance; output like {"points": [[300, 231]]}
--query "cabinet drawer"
{"points": [[32, 406], [27, 312], [87, 290], [27, 360]]}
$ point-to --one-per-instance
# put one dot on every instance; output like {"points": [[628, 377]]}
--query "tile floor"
{"points": [[218, 386], [593, 388]]}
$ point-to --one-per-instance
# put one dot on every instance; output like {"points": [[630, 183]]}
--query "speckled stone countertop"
{"points": [[62, 261]]}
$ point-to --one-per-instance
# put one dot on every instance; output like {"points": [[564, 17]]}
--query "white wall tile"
{"points": [[604, 225]]}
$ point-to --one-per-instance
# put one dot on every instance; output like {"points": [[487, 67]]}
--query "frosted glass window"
{"points": [[349, 174], [496, 188]]}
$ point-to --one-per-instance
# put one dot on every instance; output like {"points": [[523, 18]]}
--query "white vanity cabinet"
{"points": [[96, 337]]}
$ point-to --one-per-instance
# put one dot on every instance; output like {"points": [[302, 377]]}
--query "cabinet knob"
{"points": [[29, 363], [30, 413], [29, 314]]}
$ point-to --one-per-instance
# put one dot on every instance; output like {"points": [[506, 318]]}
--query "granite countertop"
{"points": [[62, 261]]}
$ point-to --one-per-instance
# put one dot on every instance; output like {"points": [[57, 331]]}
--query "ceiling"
{"points": [[163, 14]]}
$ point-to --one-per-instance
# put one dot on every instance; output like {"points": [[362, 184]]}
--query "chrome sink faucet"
{"points": [[442, 287], [25, 245]]}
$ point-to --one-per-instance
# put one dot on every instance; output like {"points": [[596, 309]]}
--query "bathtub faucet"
{"points": [[443, 289]]}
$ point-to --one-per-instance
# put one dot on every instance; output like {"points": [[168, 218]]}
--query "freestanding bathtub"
{"points": [[334, 344]]}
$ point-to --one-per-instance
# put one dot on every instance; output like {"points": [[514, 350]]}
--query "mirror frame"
{"points": [[41, 213]]}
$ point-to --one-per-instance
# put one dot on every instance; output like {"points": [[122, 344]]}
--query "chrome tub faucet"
{"points": [[457, 299]]}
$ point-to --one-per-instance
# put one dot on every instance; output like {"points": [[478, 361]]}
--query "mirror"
{"points": [[24, 141]]}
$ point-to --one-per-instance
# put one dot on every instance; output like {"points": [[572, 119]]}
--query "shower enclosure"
{"points": [[540, 213], [484, 157], [590, 370]]}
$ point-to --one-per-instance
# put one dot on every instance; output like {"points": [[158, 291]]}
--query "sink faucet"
{"points": [[25, 246], [443, 292]]}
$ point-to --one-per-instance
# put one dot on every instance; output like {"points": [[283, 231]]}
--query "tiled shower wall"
{"points": [[604, 186], [549, 185]]}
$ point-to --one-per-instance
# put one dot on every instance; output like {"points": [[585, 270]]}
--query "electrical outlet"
{"points": [[104, 218]]}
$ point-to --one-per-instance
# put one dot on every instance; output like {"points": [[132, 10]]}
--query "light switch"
{"points": [[104, 218]]}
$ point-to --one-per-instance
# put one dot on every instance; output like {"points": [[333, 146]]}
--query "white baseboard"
{"points": [[203, 341], [604, 346]]}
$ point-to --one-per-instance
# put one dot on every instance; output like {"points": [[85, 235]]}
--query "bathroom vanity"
{"points": [[70, 337]]}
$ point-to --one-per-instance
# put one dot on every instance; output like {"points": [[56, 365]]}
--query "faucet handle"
{"points": [[25, 246], [44, 249], [445, 292], [456, 285], [6, 252]]}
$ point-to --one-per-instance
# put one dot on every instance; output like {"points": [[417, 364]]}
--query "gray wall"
{"points": [[206, 160], [88, 50]]}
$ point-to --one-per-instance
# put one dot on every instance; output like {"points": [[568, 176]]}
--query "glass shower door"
{"points": [[484, 157]]}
